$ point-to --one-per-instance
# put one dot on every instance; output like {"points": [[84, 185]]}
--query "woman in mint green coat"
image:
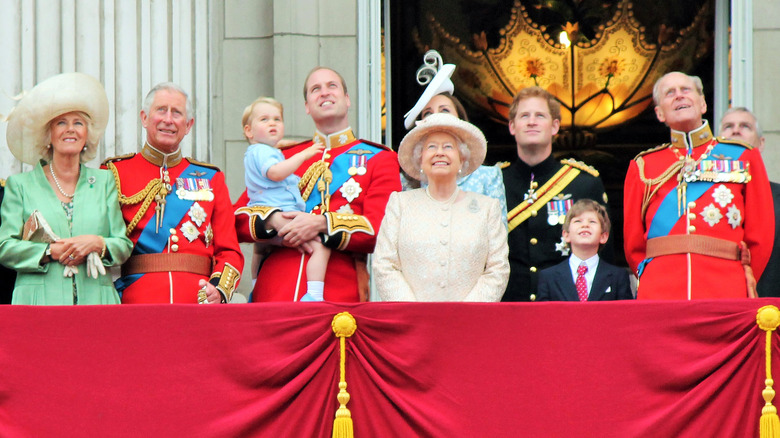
{"points": [[57, 127]]}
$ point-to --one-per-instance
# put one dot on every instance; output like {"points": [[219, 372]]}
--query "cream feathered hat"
{"points": [[28, 124], [442, 122]]}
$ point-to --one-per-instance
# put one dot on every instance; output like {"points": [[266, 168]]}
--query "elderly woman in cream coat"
{"points": [[440, 243], [56, 127]]}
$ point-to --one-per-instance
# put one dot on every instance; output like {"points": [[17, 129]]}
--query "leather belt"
{"points": [[144, 263], [694, 244]]}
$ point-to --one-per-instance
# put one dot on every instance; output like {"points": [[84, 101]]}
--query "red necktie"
{"points": [[582, 285]]}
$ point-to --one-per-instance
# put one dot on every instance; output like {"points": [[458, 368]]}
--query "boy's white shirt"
{"points": [[592, 263]]}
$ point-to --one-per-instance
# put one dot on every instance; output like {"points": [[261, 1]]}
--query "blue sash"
{"points": [[154, 242], [339, 167], [667, 214]]}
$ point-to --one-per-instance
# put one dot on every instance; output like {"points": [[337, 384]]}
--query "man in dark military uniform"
{"points": [[7, 276], [739, 123], [539, 191]]}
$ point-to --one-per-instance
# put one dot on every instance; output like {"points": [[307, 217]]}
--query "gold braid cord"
{"points": [[659, 181], [309, 179], [344, 326], [768, 319], [146, 195]]}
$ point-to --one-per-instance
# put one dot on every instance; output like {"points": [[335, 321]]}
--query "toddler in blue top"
{"points": [[271, 181]]}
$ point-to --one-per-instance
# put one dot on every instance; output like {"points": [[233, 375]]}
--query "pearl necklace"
{"points": [[448, 201], [57, 182]]}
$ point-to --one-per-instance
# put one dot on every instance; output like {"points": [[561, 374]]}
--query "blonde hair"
{"points": [[246, 118], [46, 151]]}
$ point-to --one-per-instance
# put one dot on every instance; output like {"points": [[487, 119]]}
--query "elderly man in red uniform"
{"points": [[696, 210], [178, 213], [345, 190]]}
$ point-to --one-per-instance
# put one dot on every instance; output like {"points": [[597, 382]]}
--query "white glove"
{"points": [[95, 265], [70, 271]]}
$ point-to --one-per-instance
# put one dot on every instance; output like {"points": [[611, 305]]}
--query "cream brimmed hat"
{"points": [[28, 124], [442, 122]]}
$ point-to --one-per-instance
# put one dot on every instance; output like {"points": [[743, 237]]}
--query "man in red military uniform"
{"points": [[346, 191], [698, 212], [178, 213]]}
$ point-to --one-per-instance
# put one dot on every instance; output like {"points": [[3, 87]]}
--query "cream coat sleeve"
{"points": [[492, 283], [391, 285]]}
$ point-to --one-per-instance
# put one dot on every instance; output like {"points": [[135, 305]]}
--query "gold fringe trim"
{"points": [[344, 326], [768, 319]]}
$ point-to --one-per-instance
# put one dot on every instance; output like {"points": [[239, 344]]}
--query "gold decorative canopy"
{"points": [[600, 82]]}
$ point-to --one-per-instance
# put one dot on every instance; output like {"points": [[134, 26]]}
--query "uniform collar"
{"points": [[542, 168], [337, 139], [699, 136], [158, 158]]}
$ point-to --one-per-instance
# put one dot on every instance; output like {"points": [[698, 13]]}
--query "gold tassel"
{"points": [[768, 319], [343, 326]]}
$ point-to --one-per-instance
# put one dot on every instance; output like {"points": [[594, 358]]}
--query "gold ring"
{"points": [[71, 257]]}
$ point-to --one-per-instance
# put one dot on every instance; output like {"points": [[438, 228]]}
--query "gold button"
{"points": [[173, 230], [533, 268], [691, 229], [174, 247], [533, 297], [327, 155], [691, 216], [174, 239], [691, 204], [533, 213], [534, 241]]}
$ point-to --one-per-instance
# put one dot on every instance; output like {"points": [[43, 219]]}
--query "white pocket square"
{"points": [[609, 289]]}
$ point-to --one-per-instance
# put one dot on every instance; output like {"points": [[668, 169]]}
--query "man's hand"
{"points": [[212, 294], [302, 228]]}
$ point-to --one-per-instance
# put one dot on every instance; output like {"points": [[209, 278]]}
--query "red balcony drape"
{"points": [[618, 369]]}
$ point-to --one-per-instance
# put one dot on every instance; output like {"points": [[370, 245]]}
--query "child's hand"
{"points": [[313, 150]]}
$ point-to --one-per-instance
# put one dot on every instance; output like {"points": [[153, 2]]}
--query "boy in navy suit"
{"points": [[584, 277]]}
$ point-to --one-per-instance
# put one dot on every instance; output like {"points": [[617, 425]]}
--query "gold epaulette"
{"points": [[734, 142], [580, 165], [503, 164], [201, 163], [118, 158], [651, 150]]}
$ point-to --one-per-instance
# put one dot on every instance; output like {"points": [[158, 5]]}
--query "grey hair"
{"points": [[169, 86], [742, 109], [463, 149], [657, 87]]}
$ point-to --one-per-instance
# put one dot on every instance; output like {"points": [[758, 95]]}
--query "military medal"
{"points": [[197, 214], [530, 197], [352, 171], [194, 189], [190, 231], [557, 208], [208, 235], [361, 170], [350, 190]]}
